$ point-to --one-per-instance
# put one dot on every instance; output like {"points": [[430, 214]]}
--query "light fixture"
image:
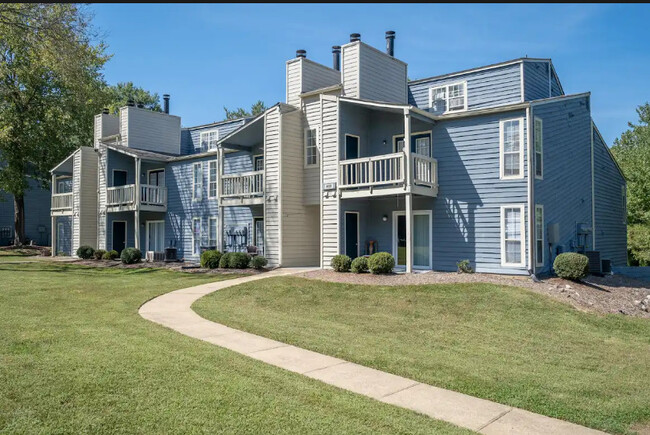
{"points": [[384, 217], [384, 141]]}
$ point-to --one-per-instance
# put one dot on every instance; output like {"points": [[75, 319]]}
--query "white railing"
{"points": [[425, 170], [245, 184], [120, 195], [153, 195], [62, 201], [372, 171]]}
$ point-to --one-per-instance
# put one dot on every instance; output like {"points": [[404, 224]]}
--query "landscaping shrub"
{"points": [[341, 263], [225, 260], [464, 267], [381, 262], [359, 265], [210, 259], [111, 255], [239, 260], [258, 262], [99, 254], [131, 256], [86, 252], [571, 265]]}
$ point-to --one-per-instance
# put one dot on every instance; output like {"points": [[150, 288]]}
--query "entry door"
{"points": [[60, 238], [421, 239], [156, 178], [352, 234], [258, 234], [119, 236], [155, 236], [351, 147]]}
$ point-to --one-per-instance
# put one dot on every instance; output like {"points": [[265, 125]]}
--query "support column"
{"points": [[220, 207], [409, 232], [407, 150], [408, 200], [53, 230], [136, 214]]}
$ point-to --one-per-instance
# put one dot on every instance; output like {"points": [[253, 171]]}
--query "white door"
{"points": [[155, 236], [421, 238]]}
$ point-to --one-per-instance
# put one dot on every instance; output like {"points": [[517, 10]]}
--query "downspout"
{"points": [[531, 196]]}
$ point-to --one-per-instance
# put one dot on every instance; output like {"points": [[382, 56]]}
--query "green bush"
{"points": [[210, 259], [638, 245], [239, 260], [464, 267], [381, 262], [225, 260], [571, 265], [341, 263], [131, 256], [359, 265], [258, 262], [110, 255], [99, 254], [86, 252]]}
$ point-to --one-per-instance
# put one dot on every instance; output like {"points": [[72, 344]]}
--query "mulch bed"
{"points": [[177, 266]]}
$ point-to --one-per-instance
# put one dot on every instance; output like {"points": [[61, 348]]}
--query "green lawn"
{"points": [[75, 357], [501, 343]]}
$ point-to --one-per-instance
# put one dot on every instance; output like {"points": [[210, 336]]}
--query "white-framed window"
{"points": [[539, 235], [539, 148], [624, 203], [197, 181], [196, 236], [511, 134], [209, 139], [512, 235], [212, 179], [448, 98], [258, 162], [420, 143], [423, 146], [311, 148], [212, 231]]}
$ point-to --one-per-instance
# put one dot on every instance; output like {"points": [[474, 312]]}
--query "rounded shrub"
{"points": [[110, 255], [258, 262], [381, 262], [210, 259], [86, 252], [341, 263], [239, 260], [359, 265], [99, 254], [225, 260], [571, 265], [131, 256]]}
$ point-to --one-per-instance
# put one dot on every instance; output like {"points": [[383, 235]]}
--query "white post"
{"points": [[136, 214], [408, 196], [220, 208], [407, 149], [53, 230]]}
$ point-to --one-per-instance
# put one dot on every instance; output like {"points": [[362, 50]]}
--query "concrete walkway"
{"points": [[174, 311]]}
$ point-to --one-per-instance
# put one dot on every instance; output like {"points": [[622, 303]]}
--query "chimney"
{"points": [[336, 57], [105, 111], [140, 105], [166, 103], [301, 53], [130, 103], [355, 37], [390, 43]]}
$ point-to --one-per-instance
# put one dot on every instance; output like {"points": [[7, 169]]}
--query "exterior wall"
{"points": [[304, 75], [119, 161], [148, 130], [240, 217], [102, 183], [76, 200], [556, 89], [537, 80], [311, 107], [273, 187], [130, 233], [64, 244], [88, 197], [565, 191], [37, 214], [488, 88], [105, 125], [350, 69], [191, 137], [329, 145], [610, 228]]}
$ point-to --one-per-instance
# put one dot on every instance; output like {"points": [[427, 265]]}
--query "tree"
{"points": [[51, 85], [256, 109], [118, 95]]}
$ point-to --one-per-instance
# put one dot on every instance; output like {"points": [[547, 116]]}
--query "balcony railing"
{"points": [[153, 195], [372, 171], [125, 195], [62, 201], [242, 185], [425, 170], [120, 195]]}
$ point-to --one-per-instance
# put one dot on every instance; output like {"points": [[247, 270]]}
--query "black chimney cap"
{"points": [[140, 105], [355, 37], [390, 33], [105, 111], [301, 53], [336, 48], [130, 103], [165, 96]]}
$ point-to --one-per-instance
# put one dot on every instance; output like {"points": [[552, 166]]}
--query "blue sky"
{"points": [[208, 56]]}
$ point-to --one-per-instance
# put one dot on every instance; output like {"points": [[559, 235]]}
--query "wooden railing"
{"points": [[62, 201], [153, 195], [244, 184], [120, 195], [372, 171], [425, 170]]}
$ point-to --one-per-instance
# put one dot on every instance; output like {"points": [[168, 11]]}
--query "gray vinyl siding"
{"points": [[565, 191], [330, 201], [191, 137], [294, 82], [152, 131], [88, 197], [311, 109], [537, 80], [488, 88], [64, 244], [273, 187], [76, 200], [105, 125], [304, 75], [466, 213], [240, 161], [37, 214], [102, 184], [556, 90], [610, 228], [236, 218], [381, 77], [350, 70]]}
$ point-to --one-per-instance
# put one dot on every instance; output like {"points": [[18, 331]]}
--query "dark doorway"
{"points": [[119, 178], [351, 147], [119, 236], [352, 234], [401, 240]]}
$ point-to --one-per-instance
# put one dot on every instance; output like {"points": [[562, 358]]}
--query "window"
{"points": [[539, 146], [258, 162], [420, 143], [539, 235], [311, 150], [63, 184], [624, 203], [212, 181], [196, 236], [511, 133], [512, 235], [209, 139], [422, 146], [212, 232], [156, 177], [197, 181], [448, 98]]}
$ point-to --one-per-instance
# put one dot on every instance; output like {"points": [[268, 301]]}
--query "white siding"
{"points": [[272, 186], [105, 125], [350, 70], [381, 77], [330, 201], [88, 198], [101, 182], [304, 75], [311, 108], [294, 81], [76, 200], [152, 131]]}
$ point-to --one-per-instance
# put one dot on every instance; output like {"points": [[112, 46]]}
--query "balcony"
{"points": [[122, 198], [386, 175], [242, 189], [61, 203]]}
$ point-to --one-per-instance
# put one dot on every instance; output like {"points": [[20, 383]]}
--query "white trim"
{"points": [[522, 220], [216, 230], [521, 150], [304, 145], [126, 180], [522, 82], [254, 233], [126, 233], [358, 145], [193, 235], [447, 86], [345, 232], [216, 181], [146, 240], [539, 210], [530, 184], [194, 185], [417, 133], [593, 187], [207, 133], [479, 69], [280, 183], [541, 147], [429, 213], [558, 98]]}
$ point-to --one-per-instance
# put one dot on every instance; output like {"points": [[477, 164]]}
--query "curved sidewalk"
{"points": [[174, 311]]}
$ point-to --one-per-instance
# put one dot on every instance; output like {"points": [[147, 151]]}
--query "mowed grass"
{"points": [[500, 343], [75, 357]]}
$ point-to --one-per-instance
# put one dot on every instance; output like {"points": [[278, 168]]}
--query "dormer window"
{"points": [[209, 139], [448, 98]]}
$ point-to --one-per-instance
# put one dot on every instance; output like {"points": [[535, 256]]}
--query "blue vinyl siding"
{"points": [[190, 137], [37, 214], [237, 218], [119, 161], [536, 80], [556, 91], [240, 161], [565, 191], [64, 243], [611, 231]]}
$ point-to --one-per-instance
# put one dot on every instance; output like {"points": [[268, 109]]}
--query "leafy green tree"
{"points": [[256, 109], [51, 85], [118, 95]]}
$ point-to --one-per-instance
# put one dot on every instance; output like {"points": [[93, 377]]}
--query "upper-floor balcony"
{"points": [[242, 188], [123, 198]]}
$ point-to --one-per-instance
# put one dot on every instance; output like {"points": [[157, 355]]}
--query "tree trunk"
{"points": [[19, 220]]}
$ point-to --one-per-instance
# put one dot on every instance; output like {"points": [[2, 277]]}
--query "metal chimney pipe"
{"points": [[105, 111], [390, 43], [355, 37], [130, 103], [301, 53], [140, 105], [336, 57], [166, 103]]}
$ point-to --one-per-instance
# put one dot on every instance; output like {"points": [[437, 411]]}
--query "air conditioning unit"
{"points": [[595, 264]]}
